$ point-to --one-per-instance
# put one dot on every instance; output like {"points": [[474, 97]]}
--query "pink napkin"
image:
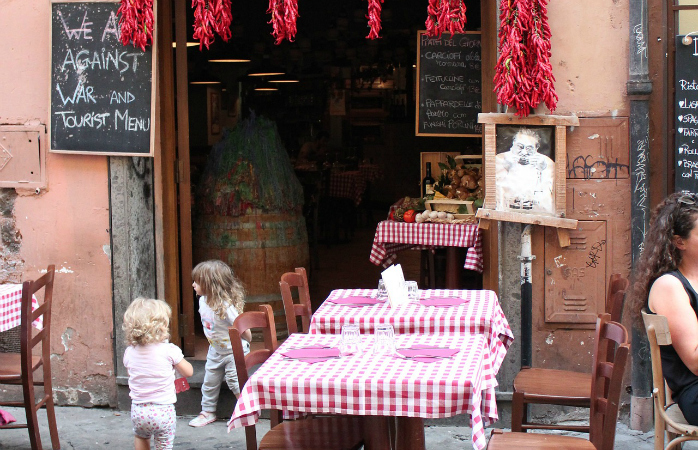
{"points": [[427, 352], [6, 418], [312, 354], [442, 301], [355, 301]]}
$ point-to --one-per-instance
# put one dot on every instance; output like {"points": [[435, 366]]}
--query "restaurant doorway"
{"points": [[330, 50]]}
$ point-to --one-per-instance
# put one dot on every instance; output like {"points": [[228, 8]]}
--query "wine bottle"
{"points": [[428, 182]]}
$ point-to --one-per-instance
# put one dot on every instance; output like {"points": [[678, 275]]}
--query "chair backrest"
{"points": [[27, 342], [299, 280], [262, 319], [657, 328], [607, 381], [617, 285]]}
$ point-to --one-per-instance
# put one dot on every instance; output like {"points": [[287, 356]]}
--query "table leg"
{"points": [[452, 268], [410, 434], [376, 434]]}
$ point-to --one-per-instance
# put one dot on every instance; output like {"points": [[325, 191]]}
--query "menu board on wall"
{"points": [[686, 116], [449, 85], [101, 93]]}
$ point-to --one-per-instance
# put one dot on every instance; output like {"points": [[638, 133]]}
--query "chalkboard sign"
{"points": [[686, 116], [449, 87], [101, 91]]}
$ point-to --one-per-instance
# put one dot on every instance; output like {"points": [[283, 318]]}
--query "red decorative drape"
{"points": [[136, 22], [523, 74]]}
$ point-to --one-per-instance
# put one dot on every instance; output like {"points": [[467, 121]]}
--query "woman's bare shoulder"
{"points": [[666, 294]]}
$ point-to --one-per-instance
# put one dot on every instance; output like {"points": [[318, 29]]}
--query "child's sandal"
{"points": [[204, 418]]}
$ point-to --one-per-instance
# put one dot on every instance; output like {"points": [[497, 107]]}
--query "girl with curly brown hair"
{"points": [[666, 281]]}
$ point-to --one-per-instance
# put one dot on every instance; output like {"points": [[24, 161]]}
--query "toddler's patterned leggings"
{"points": [[158, 421]]}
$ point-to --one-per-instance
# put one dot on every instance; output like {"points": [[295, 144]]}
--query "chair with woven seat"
{"points": [[562, 387], [668, 418], [20, 368], [606, 387], [316, 433], [302, 309]]}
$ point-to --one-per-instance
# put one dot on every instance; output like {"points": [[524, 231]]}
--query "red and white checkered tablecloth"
{"points": [[369, 385], [351, 185], [371, 172], [481, 314], [392, 237], [10, 307]]}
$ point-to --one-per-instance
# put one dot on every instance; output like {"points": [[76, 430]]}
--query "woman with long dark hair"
{"points": [[666, 283]]}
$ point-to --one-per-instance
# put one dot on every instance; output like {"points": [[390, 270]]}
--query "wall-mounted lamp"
{"points": [[688, 39]]}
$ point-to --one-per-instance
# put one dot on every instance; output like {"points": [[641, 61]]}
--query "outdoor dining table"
{"points": [[347, 184], [480, 313], [392, 237], [372, 386], [10, 307]]}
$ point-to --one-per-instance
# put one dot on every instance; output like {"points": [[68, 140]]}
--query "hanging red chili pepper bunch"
{"points": [[210, 16], [524, 75], [445, 16], [136, 22], [284, 14], [374, 18]]}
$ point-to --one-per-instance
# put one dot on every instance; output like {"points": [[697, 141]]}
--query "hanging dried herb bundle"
{"points": [[523, 74], [374, 18], [136, 22], [445, 16], [210, 16], [284, 15]]}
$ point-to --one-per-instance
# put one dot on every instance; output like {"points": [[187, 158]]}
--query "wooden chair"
{"points": [[20, 368], [668, 418], [562, 387], [606, 386], [299, 280], [317, 433]]}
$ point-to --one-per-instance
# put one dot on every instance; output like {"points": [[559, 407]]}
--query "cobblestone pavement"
{"points": [[89, 428]]}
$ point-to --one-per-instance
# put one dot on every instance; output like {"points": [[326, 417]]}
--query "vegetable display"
{"points": [[136, 22], [523, 74]]}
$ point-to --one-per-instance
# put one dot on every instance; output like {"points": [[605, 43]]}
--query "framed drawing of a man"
{"points": [[525, 169], [525, 166]]}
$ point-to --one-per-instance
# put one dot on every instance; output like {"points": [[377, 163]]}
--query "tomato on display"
{"points": [[409, 215]]}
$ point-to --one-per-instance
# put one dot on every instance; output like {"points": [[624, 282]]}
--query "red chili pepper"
{"points": [[136, 22], [374, 19]]}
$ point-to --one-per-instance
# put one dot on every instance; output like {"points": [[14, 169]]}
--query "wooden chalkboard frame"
{"points": [[153, 88], [418, 90], [492, 211]]}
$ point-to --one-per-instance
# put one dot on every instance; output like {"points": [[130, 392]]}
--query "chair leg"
{"points": [[251, 437], [32, 418], [52, 426], [518, 409]]}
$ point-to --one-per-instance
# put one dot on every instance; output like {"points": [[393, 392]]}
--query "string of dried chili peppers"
{"points": [[445, 16], [523, 74], [290, 17], [136, 22], [374, 18], [210, 16], [276, 9]]}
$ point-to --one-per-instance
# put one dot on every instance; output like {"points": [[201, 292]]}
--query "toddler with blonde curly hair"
{"points": [[151, 362]]}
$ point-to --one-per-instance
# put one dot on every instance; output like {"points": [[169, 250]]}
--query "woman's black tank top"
{"points": [[677, 375]]}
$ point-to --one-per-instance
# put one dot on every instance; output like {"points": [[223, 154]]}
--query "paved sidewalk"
{"points": [[90, 428]]}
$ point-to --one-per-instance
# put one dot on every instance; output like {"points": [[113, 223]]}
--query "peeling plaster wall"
{"points": [[66, 225]]}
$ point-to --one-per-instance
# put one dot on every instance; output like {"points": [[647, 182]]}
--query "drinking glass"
{"points": [[382, 292], [412, 290], [350, 341], [384, 340]]}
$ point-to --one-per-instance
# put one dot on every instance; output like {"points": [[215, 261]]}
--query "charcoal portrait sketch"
{"points": [[525, 172]]}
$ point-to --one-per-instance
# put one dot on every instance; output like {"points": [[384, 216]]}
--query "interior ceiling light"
{"points": [[189, 44], [229, 60], [265, 73], [266, 89], [284, 80], [205, 82]]}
